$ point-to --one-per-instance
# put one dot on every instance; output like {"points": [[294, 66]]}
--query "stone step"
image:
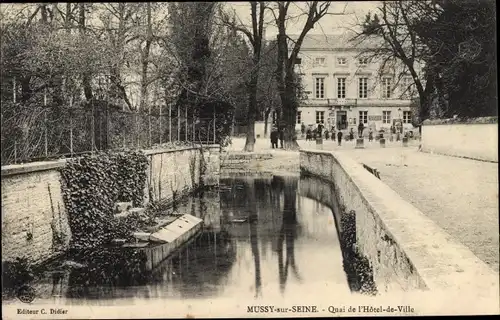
{"points": [[141, 236], [118, 241], [123, 206], [140, 211]]}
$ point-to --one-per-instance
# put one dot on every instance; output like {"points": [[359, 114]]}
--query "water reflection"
{"points": [[261, 239]]}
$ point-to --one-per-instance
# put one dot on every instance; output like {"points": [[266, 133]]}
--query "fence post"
{"points": [[149, 125], [214, 127], [71, 128], [208, 132], [178, 123], [46, 142], [14, 89], [194, 129], [137, 128], [108, 124], [92, 125], [15, 151], [161, 128], [170, 122], [123, 136], [186, 116]]}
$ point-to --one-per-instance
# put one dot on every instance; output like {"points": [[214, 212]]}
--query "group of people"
{"points": [[314, 133]]}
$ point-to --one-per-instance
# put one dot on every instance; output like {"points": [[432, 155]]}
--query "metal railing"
{"points": [[42, 133]]}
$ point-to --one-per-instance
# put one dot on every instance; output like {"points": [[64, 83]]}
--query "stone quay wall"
{"points": [[405, 249], [33, 209]]}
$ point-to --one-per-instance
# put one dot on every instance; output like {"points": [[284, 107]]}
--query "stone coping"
{"points": [[23, 168], [158, 151], [480, 120], [444, 264], [14, 169]]}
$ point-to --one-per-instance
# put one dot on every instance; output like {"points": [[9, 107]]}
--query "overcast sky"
{"points": [[327, 25]]}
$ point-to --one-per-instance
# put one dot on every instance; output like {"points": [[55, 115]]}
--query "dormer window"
{"points": [[341, 61], [320, 61], [363, 61]]}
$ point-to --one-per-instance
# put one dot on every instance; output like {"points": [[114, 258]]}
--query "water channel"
{"points": [[261, 239]]}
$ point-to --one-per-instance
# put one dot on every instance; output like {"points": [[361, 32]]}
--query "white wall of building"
{"points": [[331, 70]]}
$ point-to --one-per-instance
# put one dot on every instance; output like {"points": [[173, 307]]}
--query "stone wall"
{"points": [[243, 161], [33, 212], [474, 138], [173, 173], [405, 249], [34, 218]]}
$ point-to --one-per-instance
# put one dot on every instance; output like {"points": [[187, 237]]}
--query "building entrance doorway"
{"points": [[342, 120]]}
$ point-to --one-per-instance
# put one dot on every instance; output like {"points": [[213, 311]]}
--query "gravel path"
{"points": [[460, 195]]}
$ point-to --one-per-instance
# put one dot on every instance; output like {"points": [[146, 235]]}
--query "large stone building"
{"points": [[344, 87]]}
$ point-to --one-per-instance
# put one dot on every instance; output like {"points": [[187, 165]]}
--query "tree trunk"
{"points": [[87, 87], [252, 106], [26, 90], [290, 104], [266, 117], [256, 40], [145, 59]]}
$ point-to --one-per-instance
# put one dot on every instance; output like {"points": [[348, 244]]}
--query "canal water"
{"points": [[261, 239]]}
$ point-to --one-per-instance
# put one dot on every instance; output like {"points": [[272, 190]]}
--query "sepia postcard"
{"points": [[249, 159]]}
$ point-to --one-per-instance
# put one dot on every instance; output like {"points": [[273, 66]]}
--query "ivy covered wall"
{"points": [[48, 207]]}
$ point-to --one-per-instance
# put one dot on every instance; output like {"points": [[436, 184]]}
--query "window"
{"points": [[320, 61], [319, 88], [299, 117], [363, 61], [386, 117], [363, 88], [406, 116], [386, 88], [363, 117], [341, 61], [341, 88], [320, 117]]}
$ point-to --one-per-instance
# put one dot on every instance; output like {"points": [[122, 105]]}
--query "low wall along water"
{"points": [[33, 210], [405, 250]]}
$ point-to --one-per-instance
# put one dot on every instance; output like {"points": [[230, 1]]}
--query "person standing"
{"points": [[327, 134], [361, 127], [370, 135], [339, 138], [303, 129], [274, 138], [282, 137], [351, 134], [320, 130]]}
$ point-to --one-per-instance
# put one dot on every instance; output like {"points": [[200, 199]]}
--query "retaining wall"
{"points": [[474, 138], [34, 218], [405, 249], [243, 161]]}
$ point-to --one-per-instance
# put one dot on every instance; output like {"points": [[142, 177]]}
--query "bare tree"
{"points": [[394, 31], [255, 38], [287, 58]]}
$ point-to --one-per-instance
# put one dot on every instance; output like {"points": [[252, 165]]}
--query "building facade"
{"points": [[344, 87]]}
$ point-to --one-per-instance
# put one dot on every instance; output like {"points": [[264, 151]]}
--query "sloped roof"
{"points": [[335, 41]]}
